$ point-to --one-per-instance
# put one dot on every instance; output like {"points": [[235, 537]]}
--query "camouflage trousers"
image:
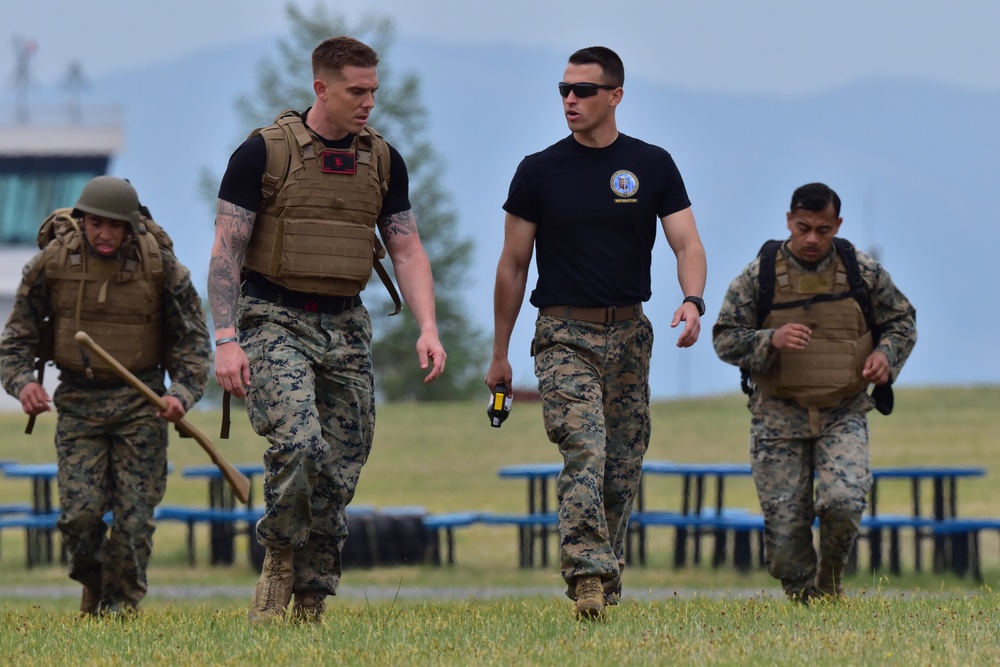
{"points": [[112, 455], [312, 397], [800, 477], [594, 382]]}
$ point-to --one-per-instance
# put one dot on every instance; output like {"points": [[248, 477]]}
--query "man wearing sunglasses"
{"points": [[589, 205]]}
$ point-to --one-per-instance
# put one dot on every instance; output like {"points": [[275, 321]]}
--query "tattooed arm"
{"points": [[413, 272], [233, 226]]}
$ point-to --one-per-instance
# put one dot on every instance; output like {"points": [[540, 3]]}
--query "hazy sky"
{"points": [[767, 46]]}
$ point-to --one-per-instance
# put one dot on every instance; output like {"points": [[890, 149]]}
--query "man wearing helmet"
{"points": [[101, 270]]}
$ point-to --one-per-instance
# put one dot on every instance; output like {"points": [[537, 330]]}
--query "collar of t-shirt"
{"points": [[343, 143]]}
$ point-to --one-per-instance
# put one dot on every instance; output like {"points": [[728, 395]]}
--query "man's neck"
{"points": [[601, 137], [319, 124]]}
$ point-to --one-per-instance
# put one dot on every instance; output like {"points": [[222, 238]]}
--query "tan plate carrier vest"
{"points": [[118, 302], [316, 231], [829, 369]]}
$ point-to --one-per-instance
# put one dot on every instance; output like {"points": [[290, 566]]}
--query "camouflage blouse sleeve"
{"points": [[23, 331], [735, 335], [190, 348], [892, 313]]}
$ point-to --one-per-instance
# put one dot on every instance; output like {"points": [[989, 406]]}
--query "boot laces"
{"points": [[590, 588]]}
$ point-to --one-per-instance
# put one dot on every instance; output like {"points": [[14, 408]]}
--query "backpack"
{"points": [[62, 225], [857, 290]]}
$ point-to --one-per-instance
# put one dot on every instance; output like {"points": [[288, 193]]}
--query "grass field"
{"points": [[444, 457]]}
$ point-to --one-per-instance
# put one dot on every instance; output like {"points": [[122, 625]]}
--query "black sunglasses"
{"points": [[582, 89]]}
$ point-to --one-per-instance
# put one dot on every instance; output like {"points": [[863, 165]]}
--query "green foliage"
{"points": [[283, 82]]}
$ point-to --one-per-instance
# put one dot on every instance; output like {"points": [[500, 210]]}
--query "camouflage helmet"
{"points": [[110, 197]]}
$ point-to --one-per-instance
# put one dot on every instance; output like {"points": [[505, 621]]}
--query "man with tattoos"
{"points": [[589, 205], [294, 246]]}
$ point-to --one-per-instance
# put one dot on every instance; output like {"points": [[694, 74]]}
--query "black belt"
{"points": [[599, 315], [260, 288]]}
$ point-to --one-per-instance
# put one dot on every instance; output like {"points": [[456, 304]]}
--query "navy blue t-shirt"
{"points": [[596, 212], [242, 181]]}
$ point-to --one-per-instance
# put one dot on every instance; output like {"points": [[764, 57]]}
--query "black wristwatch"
{"points": [[698, 302]]}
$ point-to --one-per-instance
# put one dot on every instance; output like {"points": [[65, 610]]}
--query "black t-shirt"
{"points": [[596, 211], [242, 181]]}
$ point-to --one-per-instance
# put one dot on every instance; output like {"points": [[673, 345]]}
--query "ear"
{"points": [[319, 87], [616, 96]]}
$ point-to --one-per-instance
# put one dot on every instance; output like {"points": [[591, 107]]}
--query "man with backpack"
{"points": [[107, 269], [295, 244], [812, 322]]}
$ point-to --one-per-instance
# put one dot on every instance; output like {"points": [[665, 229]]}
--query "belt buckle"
{"points": [[610, 315]]}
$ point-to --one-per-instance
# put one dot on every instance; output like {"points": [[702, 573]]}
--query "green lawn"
{"points": [[444, 457]]}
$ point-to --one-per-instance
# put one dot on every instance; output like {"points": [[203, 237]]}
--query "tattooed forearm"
{"points": [[233, 227], [401, 223]]}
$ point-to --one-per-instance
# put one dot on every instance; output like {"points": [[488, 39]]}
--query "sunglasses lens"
{"points": [[578, 89]]}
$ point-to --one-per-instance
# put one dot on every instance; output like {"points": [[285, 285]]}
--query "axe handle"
{"points": [[237, 480]]}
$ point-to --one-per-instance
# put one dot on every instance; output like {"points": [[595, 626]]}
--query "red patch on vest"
{"points": [[338, 162]]}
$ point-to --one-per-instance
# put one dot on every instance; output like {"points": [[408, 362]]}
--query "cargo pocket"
{"points": [[263, 405]]}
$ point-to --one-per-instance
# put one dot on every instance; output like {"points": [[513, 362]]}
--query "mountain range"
{"points": [[915, 163]]}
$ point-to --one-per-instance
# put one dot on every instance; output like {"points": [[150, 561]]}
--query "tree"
{"points": [[284, 82]]}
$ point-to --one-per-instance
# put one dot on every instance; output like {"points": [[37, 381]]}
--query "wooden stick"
{"points": [[237, 480]]}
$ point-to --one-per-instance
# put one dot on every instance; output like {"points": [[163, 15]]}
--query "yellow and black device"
{"points": [[499, 407]]}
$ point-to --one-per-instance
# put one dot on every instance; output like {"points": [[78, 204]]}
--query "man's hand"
{"points": [[687, 313], [34, 399], [499, 371], [232, 369], [791, 337], [174, 412], [430, 352], [876, 368]]}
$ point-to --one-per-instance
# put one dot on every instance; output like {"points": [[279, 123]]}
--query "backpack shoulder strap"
{"points": [[765, 279], [849, 255]]}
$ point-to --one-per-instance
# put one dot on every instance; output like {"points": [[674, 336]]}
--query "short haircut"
{"points": [[815, 197], [336, 53], [611, 65]]}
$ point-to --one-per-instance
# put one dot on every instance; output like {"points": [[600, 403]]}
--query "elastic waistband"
{"points": [[599, 315], [259, 287]]}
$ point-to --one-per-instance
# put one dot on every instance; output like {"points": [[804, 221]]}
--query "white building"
{"points": [[44, 166]]}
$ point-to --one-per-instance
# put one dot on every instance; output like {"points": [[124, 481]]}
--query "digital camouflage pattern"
{"points": [[594, 383], [312, 397], [783, 452], [112, 454], [111, 445]]}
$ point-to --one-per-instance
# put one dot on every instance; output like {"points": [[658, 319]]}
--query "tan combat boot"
{"points": [[829, 580], [309, 606], [589, 598], [274, 589]]}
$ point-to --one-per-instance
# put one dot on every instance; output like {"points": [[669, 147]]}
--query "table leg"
{"points": [[721, 536], [699, 494], [222, 533], [680, 534], [942, 559], [543, 530], [640, 531], [918, 535]]}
